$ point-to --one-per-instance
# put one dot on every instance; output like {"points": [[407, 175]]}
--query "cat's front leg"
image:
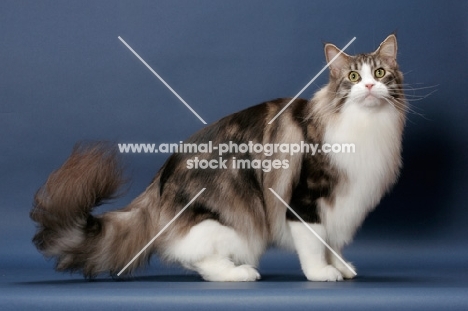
{"points": [[312, 252]]}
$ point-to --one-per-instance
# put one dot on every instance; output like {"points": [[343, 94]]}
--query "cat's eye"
{"points": [[379, 73], [354, 76]]}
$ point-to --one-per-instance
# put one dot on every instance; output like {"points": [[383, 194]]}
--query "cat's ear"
{"points": [[341, 61], [388, 50]]}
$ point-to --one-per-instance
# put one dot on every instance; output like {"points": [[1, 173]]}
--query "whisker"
{"points": [[419, 97], [398, 107], [419, 88], [415, 96], [407, 107]]}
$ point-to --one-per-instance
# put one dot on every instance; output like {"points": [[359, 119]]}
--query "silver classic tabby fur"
{"points": [[228, 227]]}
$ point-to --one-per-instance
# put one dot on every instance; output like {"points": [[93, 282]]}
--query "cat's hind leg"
{"points": [[312, 252], [217, 253]]}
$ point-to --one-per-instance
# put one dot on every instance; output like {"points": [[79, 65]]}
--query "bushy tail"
{"points": [[68, 232]]}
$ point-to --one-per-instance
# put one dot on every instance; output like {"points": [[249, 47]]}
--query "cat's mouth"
{"points": [[373, 93], [371, 100]]}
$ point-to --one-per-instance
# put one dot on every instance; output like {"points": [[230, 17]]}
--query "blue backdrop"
{"points": [[65, 76]]}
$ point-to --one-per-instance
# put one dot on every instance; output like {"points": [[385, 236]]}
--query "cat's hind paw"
{"points": [[324, 274], [243, 273], [230, 273]]}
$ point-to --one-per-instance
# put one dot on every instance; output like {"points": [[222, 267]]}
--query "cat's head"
{"points": [[368, 80]]}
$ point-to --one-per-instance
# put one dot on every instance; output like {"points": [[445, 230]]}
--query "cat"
{"points": [[224, 232]]}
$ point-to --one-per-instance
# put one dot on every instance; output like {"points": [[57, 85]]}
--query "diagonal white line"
{"points": [[313, 231], [161, 79], [161, 232], [311, 81]]}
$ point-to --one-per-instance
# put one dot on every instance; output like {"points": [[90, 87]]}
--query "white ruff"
{"points": [[375, 131]]}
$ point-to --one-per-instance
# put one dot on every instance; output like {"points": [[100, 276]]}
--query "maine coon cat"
{"points": [[223, 233]]}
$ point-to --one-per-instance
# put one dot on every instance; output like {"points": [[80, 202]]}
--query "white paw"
{"points": [[243, 273], [324, 274], [345, 271]]}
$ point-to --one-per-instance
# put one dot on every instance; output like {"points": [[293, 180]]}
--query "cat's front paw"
{"points": [[324, 274], [345, 271]]}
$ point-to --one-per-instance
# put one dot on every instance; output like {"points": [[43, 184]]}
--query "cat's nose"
{"points": [[370, 85]]}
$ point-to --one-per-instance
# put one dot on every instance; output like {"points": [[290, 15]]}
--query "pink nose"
{"points": [[369, 86]]}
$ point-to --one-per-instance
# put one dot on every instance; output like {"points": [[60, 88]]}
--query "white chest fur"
{"points": [[370, 170]]}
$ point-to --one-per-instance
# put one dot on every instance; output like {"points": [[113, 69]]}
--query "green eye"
{"points": [[354, 76], [379, 73]]}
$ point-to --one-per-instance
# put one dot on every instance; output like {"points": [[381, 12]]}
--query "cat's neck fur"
{"points": [[366, 174]]}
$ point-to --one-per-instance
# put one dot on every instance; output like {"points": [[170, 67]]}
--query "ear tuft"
{"points": [[331, 51], [388, 50]]}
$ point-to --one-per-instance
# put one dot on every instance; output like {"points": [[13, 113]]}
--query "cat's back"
{"points": [[252, 123]]}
